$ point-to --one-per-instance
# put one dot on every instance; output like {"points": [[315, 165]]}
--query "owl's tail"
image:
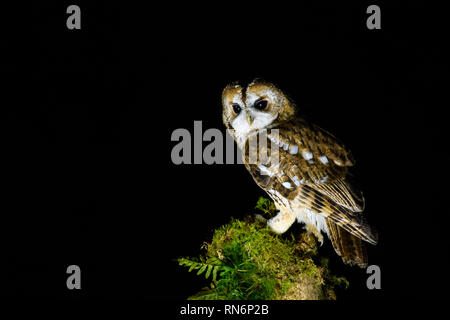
{"points": [[351, 249]]}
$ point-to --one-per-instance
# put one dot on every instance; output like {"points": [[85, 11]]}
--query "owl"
{"points": [[309, 183]]}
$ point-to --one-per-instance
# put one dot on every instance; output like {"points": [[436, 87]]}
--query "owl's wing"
{"points": [[321, 161], [303, 175]]}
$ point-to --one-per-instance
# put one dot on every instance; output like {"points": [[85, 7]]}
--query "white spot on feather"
{"points": [[264, 171], [323, 159], [287, 185], [293, 149], [307, 155], [297, 183]]}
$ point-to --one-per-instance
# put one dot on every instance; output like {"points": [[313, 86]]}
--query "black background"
{"points": [[88, 117]]}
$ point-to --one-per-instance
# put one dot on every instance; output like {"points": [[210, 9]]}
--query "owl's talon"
{"points": [[311, 229]]}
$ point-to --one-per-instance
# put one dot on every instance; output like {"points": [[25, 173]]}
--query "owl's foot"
{"points": [[281, 222], [311, 229]]}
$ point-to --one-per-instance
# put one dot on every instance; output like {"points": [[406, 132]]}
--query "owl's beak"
{"points": [[249, 118]]}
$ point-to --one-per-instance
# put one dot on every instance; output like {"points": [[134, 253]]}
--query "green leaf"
{"points": [[215, 273], [202, 269], [208, 272], [192, 267], [211, 260]]}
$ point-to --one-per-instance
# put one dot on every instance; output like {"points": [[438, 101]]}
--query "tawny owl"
{"points": [[309, 181]]}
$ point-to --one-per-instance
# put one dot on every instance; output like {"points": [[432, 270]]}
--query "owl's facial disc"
{"points": [[248, 110]]}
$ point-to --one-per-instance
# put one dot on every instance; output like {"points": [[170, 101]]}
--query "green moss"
{"points": [[266, 205], [246, 260]]}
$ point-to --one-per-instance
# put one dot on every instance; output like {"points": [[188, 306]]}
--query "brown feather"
{"points": [[351, 249]]}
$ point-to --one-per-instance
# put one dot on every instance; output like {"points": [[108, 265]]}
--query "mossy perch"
{"points": [[246, 260]]}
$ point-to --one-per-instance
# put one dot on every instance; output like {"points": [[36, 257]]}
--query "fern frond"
{"points": [[210, 265]]}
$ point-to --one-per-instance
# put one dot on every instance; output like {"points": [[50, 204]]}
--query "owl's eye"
{"points": [[260, 105], [236, 108]]}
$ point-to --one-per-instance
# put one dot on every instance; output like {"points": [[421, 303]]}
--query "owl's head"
{"points": [[254, 107]]}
